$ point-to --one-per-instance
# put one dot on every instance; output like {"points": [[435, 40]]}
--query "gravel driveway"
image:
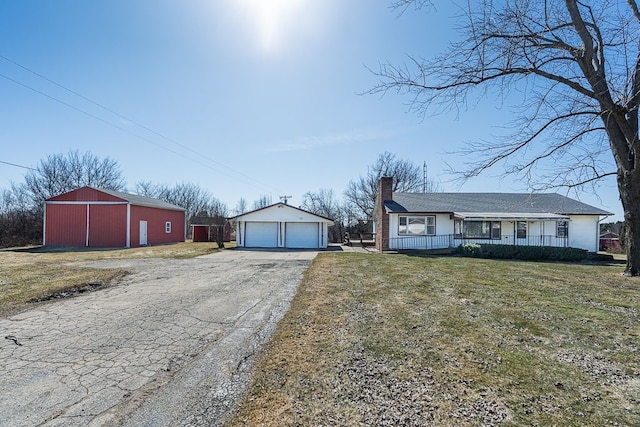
{"points": [[170, 345]]}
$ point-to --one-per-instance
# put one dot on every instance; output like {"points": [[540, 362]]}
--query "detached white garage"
{"points": [[282, 226]]}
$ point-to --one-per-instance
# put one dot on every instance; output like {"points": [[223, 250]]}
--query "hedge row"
{"points": [[527, 253]]}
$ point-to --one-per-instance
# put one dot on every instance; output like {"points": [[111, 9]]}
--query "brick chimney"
{"points": [[385, 193]]}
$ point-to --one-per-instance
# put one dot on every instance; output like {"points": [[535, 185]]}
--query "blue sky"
{"points": [[244, 97]]}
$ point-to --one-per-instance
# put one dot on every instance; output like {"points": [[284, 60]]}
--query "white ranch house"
{"points": [[444, 220]]}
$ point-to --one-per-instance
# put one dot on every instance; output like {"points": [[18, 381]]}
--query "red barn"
{"points": [[106, 218]]}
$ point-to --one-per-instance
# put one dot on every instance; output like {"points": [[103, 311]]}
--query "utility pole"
{"points": [[285, 199]]}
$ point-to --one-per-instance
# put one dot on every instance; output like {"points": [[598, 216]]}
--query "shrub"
{"points": [[470, 250], [525, 253]]}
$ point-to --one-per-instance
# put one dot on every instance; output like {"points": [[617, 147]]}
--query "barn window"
{"points": [[167, 227]]}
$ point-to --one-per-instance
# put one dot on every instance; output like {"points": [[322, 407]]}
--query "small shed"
{"points": [[94, 217], [610, 242], [206, 229], [281, 226]]}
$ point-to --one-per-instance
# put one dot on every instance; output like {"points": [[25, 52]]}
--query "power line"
{"points": [[18, 166], [53, 98], [247, 180]]}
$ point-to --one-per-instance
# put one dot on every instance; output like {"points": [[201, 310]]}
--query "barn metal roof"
{"points": [[137, 200], [491, 204]]}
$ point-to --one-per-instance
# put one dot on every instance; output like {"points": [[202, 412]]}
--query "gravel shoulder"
{"points": [[171, 344]]}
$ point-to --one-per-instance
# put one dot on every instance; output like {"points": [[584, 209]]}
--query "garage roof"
{"points": [[243, 216], [137, 200]]}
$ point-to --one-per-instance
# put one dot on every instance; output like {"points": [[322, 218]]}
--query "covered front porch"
{"points": [[488, 228], [451, 241]]}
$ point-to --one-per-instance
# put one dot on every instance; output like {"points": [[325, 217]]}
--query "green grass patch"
{"points": [[402, 340]]}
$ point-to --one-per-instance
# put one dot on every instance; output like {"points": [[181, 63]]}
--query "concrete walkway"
{"points": [[170, 345]]}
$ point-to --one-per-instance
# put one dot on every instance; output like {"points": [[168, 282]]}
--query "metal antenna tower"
{"points": [[424, 177]]}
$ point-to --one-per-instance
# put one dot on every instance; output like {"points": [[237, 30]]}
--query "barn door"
{"points": [[143, 233]]}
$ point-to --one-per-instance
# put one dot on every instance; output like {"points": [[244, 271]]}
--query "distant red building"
{"points": [[94, 217], [206, 229], [610, 242]]}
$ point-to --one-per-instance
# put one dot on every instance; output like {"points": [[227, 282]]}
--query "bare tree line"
{"points": [[21, 206]]}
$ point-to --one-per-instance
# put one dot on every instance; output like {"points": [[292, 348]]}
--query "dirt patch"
{"points": [[67, 293], [599, 368], [391, 395]]}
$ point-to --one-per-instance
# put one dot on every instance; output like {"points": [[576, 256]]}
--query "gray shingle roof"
{"points": [[134, 199], [490, 202]]}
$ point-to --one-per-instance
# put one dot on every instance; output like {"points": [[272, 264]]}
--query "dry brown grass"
{"points": [[28, 274], [401, 340]]}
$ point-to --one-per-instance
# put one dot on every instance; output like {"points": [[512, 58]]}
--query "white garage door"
{"points": [[301, 235], [261, 235]]}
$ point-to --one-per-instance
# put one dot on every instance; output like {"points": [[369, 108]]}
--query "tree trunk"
{"points": [[629, 187], [220, 236]]}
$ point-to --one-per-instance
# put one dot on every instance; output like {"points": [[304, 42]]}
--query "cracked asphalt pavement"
{"points": [[171, 344]]}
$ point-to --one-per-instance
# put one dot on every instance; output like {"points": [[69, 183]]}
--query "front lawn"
{"points": [[401, 340]]}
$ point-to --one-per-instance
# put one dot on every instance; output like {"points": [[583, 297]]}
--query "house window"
{"points": [[479, 229], [521, 229], [562, 229], [417, 225], [167, 227], [496, 231], [457, 229]]}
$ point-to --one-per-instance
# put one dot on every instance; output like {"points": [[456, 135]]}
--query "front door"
{"points": [[143, 233]]}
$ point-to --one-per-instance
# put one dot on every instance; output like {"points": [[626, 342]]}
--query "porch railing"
{"points": [[450, 241]]}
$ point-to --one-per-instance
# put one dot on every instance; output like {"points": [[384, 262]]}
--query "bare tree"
{"points": [[147, 189], [407, 177], [20, 221], [217, 208], [59, 173], [324, 203], [241, 207], [262, 202], [575, 67], [192, 197]]}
